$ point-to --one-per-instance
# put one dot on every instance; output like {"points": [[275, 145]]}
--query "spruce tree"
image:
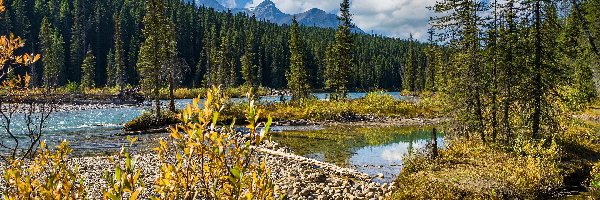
{"points": [[54, 62], [341, 55], [297, 77], [77, 42], [110, 68], [152, 55], [88, 68], [410, 67], [248, 60], [118, 78]]}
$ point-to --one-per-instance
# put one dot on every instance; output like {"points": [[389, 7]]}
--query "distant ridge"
{"points": [[267, 10]]}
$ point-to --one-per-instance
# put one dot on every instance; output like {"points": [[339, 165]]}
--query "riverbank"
{"points": [[558, 167], [296, 177]]}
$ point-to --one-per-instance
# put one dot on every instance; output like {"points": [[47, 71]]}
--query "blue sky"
{"points": [[395, 18]]}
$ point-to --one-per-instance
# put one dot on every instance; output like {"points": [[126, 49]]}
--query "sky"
{"points": [[393, 18]]}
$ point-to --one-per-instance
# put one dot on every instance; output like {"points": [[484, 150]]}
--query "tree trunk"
{"points": [[172, 90]]}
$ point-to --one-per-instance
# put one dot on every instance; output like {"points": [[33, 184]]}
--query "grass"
{"points": [[468, 169], [375, 104], [527, 169]]}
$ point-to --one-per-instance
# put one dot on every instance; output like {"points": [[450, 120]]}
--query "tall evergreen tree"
{"points": [[77, 48], [411, 67], [54, 62], [341, 55], [88, 69], [152, 53], [118, 78], [249, 65], [297, 77]]}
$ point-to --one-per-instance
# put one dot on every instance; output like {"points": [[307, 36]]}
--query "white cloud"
{"points": [[395, 18]]}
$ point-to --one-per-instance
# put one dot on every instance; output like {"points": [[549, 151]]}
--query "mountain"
{"points": [[317, 17], [209, 4], [267, 10]]}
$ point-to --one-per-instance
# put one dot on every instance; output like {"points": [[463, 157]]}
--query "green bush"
{"points": [[149, 120]]}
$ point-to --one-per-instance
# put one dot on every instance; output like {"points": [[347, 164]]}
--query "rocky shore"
{"points": [[297, 177]]}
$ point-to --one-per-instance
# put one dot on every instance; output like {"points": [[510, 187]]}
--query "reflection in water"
{"points": [[371, 150]]}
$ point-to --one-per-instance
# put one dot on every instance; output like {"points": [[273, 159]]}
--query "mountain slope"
{"points": [[209, 4], [317, 17], [267, 10]]}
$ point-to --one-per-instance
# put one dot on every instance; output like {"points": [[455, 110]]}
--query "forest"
{"points": [[211, 47], [500, 102]]}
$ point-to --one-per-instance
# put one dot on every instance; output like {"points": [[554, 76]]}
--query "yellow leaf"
{"points": [[136, 194]]}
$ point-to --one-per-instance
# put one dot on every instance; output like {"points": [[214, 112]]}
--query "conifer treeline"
{"points": [[212, 47], [513, 66]]}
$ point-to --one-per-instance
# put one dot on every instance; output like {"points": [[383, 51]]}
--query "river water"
{"points": [[371, 150]]}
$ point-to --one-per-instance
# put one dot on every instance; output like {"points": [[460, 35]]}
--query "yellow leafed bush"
{"points": [[46, 177], [210, 162]]}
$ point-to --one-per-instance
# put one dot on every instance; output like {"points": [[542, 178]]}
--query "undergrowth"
{"points": [[468, 169], [376, 104], [148, 120]]}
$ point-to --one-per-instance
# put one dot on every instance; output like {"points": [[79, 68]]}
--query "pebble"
{"points": [[294, 177]]}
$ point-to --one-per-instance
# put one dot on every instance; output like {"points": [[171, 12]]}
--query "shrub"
{"points": [[212, 163], [126, 179], [149, 120], [46, 177], [467, 169]]}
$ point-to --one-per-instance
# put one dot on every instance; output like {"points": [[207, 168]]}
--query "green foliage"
{"points": [[374, 104], [149, 120], [46, 177], [70, 88], [53, 57], [297, 76], [126, 179], [88, 70], [340, 55], [213, 164], [595, 179]]}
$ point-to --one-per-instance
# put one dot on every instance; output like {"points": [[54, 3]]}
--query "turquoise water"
{"points": [[95, 130], [372, 150]]}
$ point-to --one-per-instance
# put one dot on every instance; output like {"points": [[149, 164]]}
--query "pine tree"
{"points": [[431, 53], [118, 78], [341, 55], [152, 53], [411, 67], [297, 77], [77, 49], [110, 68], [460, 21], [88, 68], [54, 62], [248, 60]]}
